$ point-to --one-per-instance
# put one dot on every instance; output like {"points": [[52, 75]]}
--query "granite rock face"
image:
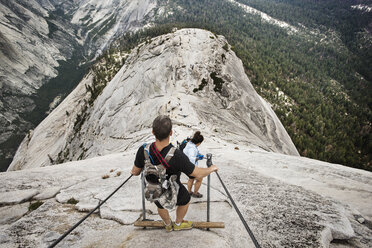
{"points": [[190, 75], [194, 77], [100, 22], [279, 197], [32, 42], [38, 35]]}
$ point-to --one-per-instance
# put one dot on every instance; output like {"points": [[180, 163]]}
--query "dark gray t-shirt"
{"points": [[178, 163]]}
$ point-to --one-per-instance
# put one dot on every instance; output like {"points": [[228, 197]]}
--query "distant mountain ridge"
{"points": [[38, 37]]}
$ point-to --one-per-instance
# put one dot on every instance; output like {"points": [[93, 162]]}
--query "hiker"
{"points": [[183, 143], [179, 162], [192, 152]]}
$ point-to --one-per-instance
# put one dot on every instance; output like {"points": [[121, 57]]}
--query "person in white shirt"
{"points": [[192, 152]]}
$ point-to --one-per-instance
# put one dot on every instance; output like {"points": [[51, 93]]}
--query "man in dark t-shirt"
{"points": [[178, 163], [162, 129]]}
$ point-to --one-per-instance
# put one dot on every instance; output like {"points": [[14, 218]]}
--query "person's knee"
{"points": [[199, 180]]}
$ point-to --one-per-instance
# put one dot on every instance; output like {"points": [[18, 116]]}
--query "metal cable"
{"points": [[77, 224], [240, 215], [99, 205]]}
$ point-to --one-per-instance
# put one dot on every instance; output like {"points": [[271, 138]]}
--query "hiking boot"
{"points": [[185, 225], [170, 227], [197, 195]]}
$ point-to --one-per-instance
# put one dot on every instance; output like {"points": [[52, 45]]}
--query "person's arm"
{"points": [[136, 171], [203, 172], [139, 162], [189, 168]]}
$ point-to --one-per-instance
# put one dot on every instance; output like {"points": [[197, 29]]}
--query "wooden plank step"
{"points": [[149, 223]]}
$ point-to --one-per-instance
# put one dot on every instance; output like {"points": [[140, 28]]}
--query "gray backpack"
{"points": [[157, 186]]}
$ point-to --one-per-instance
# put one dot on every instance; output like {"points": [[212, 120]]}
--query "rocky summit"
{"points": [[191, 75], [86, 147]]}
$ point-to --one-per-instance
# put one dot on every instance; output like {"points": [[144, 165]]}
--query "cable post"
{"points": [[209, 164], [143, 196]]}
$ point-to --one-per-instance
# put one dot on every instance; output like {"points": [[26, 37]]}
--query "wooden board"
{"points": [[159, 224]]}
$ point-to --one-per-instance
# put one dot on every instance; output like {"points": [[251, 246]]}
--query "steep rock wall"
{"points": [[36, 36], [191, 75]]}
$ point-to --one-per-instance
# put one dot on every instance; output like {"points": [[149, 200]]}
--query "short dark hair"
{"points": [[162, 126], [197, 138]]}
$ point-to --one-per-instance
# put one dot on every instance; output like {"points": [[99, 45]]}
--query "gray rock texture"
{"points": [[17, 196], [284, 209], [36, 35], [63, 123], [10, 214], [33, 39], [160, 77], [101, 22], [287, 200]]}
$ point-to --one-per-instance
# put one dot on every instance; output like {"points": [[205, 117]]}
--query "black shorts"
{"points": [[183, 197]]}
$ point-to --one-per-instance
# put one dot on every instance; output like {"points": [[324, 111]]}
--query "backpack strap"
{"points": [[163, 161], [170, 154], [147, 153]]}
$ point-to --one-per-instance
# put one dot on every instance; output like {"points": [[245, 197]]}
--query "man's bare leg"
{"points": [[197, 184], [181, 212], [189, 184], [164, 214]]}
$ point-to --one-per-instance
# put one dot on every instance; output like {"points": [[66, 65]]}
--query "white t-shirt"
{"points": [[191, 152]]}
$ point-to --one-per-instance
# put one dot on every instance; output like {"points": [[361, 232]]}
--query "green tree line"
{"points": [[321, 70]]}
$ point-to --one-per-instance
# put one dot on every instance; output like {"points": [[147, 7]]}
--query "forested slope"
{"points": [[317, 78], [314, 69]]}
